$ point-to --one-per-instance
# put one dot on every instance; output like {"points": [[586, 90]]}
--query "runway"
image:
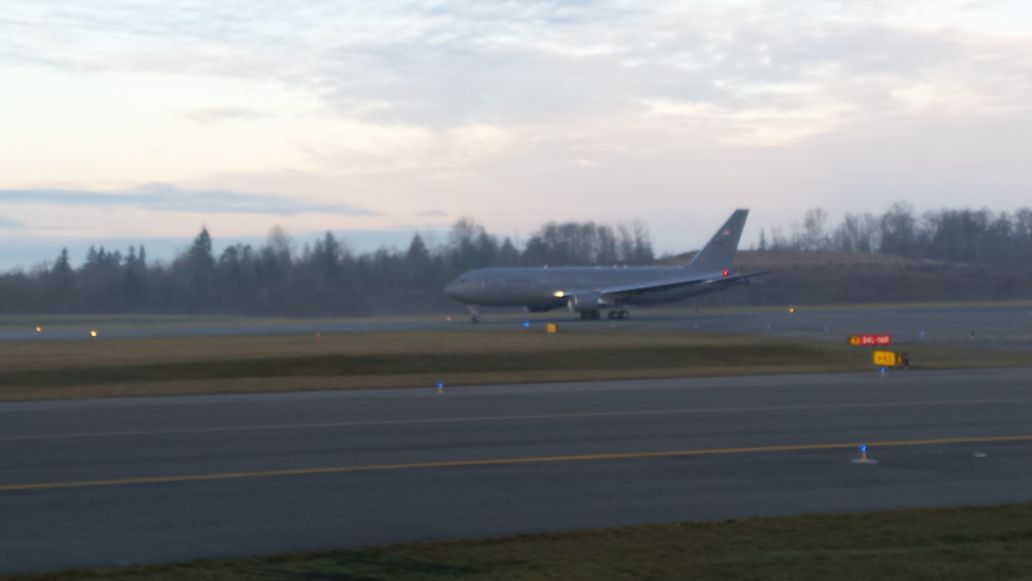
{"points": [[109, 482], [999, 325]]}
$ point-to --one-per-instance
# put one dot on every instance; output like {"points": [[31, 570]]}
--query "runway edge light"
{"points": [[863, 459]]}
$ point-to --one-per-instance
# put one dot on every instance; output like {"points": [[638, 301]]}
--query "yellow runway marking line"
{"points": [[36, 486], [514, 418]]}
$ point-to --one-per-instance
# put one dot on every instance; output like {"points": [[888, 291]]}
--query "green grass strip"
{"points": [[422, 363], [940, 544]]}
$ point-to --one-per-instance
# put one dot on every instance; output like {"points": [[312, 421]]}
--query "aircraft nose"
{"points": [[459, 289]]}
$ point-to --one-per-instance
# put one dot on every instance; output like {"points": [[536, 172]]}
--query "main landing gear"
{"points": [[595, 315], [474, 316]]}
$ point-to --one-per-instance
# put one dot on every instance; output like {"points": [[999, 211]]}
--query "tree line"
{"points": [[954, 235], [324, 278]]}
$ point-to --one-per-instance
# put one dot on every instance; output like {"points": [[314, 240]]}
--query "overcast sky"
{"points": [[140, 119]]}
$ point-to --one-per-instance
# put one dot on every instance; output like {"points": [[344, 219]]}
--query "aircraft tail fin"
{"points": [[719, 252]]}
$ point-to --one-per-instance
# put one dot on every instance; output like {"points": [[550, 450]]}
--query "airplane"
{"points": [[589, 290]]}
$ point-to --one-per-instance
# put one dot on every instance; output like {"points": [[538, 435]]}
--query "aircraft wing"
{"points": [[623, 292]]}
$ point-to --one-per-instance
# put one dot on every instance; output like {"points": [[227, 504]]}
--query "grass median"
{"points": [[40, 370], [940, 544], [249, 363]]}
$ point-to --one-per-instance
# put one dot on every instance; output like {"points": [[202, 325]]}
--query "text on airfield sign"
{"points": [[885, 358], [875, 340]]}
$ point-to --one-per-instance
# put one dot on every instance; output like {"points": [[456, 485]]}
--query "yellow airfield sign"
{"points": [[885, 358]]}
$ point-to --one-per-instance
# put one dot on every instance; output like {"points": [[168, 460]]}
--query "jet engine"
{"points": [[586, 301]]}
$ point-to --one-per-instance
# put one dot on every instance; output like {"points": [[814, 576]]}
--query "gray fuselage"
{"points": [[537, 288]]}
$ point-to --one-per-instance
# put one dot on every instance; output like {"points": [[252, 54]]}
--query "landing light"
{"points": [[559, 294], [93, 332]]}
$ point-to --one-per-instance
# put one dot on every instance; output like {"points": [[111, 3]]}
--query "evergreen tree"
{"points": [[418, 261], [63, 283], [200, 255], [198, 290], [135, 285], [508, 255]]}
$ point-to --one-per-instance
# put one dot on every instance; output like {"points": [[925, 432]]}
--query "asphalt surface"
{"points": [[110, 482], [1002, 325]]}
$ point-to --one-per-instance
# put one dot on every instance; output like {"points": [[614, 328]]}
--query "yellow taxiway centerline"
{"points": [[37, 486]]}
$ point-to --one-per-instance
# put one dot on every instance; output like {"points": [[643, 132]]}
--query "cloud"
{"points": [[446, 64], [164, 197], [9, 224], [225, 114], [512, 110]]}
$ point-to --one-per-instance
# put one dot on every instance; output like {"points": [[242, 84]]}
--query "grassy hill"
{"points": [[847, 277]]}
